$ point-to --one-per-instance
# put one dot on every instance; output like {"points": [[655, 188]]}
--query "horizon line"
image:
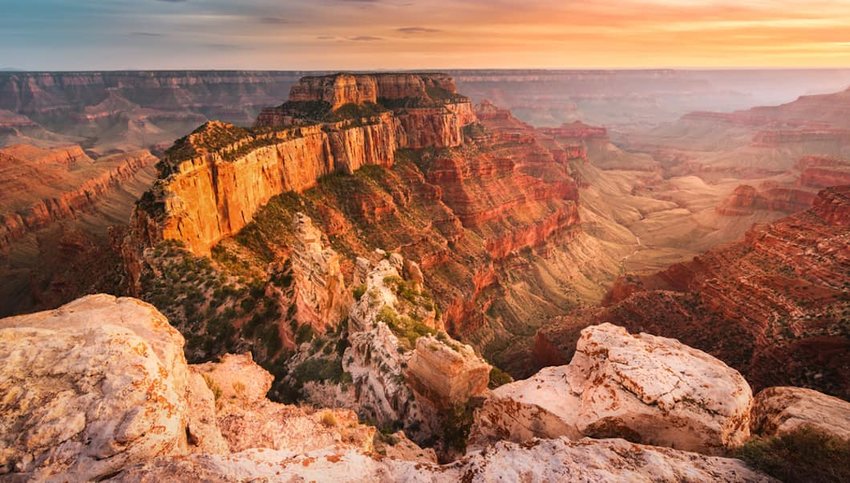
{"points": [[13, 70]]}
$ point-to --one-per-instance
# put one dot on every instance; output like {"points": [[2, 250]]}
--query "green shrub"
{"points": [[404, 327], [271, 337], [358, 291], [805, 455], [319, 369], [498, 378], [457, 422], [304, 334]]}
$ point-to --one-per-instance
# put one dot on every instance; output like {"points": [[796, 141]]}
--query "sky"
{"points": [[419, 34]]}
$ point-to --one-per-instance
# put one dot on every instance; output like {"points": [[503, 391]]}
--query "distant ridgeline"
{"points": [[212, 181]]}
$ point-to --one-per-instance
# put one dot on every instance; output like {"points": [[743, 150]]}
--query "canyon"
{"points": [[386, 275], [455, 208], [777, 299]]}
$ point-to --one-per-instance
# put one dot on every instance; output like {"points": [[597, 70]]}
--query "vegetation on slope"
{"points": [[805, 455]]}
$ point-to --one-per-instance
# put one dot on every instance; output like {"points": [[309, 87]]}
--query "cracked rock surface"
{"points": [[782, 410], [89, 388], [643, 388]]}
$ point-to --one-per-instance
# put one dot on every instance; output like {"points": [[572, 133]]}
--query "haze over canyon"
{"points": [[468, 275]]}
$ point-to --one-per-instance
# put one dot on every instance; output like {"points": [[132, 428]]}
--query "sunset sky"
{"points": [[410, 34]]}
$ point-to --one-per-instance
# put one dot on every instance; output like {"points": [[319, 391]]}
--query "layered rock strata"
{"points": [[216, 191], [464, 214], [773, 305], [213, 181], [44, 186]]}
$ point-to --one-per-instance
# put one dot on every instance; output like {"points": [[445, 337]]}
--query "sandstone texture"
{"points": [[781, 410], [99, 390], [100, 385], [549, 460], [321, 297], [90, 388], [643, 388], [247, 419], [447, 372], [214, 193], [213, 181]]}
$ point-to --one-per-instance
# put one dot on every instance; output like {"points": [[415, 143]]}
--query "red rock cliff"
{"points": [[429, 110], [214, 180], [214, 192]]}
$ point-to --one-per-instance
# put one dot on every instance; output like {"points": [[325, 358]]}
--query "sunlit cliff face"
{"points": [[398, 34]]}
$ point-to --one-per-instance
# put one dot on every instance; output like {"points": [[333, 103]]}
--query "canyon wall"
{"points": [[43, 186], [56, 94], [491, 223], [214, 180], [774, 305], [340, 89], [213, 195]]}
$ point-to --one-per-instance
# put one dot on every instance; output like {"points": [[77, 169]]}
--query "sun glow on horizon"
{"points": [[408, 34]]}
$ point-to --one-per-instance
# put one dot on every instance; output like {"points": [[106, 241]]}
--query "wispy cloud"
{"points": [[274, 20], [417, 30], [328, 34], [365, 38]]}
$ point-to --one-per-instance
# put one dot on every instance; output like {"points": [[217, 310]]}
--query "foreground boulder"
{"points": [[101, 384], [247, 419], [778, 411], [640, 387], [90, 388], [447, 372], [540, 460]]}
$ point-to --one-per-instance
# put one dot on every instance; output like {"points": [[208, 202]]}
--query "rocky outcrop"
{"points": [[100, 385], [643, 388], [812, 173], [321, 298], [340, 89], [213, 181], [220, 175], [248, 420], [402, 372], [428, 110], [447, 372], [89, 389], [99, 390], [541, 460], [746, 199], [778, 411], [833, 206]]}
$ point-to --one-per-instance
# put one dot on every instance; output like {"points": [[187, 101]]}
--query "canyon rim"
{"points": [[397, 241]]}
